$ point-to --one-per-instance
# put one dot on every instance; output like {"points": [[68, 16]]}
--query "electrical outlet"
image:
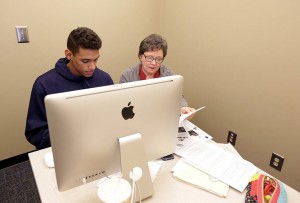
{"points": [[231, 137], [22, 34], [276, 161]]}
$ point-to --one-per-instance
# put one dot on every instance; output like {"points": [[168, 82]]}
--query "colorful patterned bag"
{"points": [[265, 189]]}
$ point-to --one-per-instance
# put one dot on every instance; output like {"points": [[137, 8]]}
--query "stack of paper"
{"points": [[189, 174], [204, 159], [217, 162]]}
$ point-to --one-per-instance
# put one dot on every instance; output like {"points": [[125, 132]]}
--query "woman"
{"points": [[152, 51]]}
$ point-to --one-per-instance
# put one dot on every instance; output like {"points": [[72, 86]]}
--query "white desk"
{"points": [[166, 188]]}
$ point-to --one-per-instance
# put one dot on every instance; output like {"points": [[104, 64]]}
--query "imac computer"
{"points": [[86, 127]]}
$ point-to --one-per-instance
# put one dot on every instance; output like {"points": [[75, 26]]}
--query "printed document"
{"points": [[187, 129], [217, 162], [184, 116]]}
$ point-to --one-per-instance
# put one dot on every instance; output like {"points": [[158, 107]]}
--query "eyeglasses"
{"points": [[151, 58]]}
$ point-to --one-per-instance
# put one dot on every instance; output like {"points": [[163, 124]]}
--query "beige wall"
{"points": [[239, 58], [120, 24]]}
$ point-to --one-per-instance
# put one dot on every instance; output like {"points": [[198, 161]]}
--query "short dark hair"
{"points": [[153, 42], [85, 38]]}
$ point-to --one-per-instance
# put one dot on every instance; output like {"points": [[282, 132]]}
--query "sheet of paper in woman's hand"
{"points": [[184, 116]]}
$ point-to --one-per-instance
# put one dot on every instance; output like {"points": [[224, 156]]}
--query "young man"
{"points": [[152, 51], [78, 70]]}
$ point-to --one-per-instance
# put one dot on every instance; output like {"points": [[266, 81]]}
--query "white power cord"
{"points": [[135, 175], [140, 195], [133, 191]]}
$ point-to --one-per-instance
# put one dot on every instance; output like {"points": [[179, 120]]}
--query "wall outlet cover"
{"points": [[22, 34], [276, 161], [231, 137]]}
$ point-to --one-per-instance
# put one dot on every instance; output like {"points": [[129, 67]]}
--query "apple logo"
{"points": [[127, 112]]}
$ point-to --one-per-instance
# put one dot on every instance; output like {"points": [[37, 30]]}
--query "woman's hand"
{"points": [[186, 110]]}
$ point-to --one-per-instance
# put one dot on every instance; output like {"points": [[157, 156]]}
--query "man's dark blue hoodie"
{"points": [[56, 80]]}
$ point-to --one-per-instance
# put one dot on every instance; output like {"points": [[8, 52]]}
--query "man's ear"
{"points": [[68, 54]]}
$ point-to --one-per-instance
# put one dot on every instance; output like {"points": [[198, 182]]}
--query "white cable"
{"points": [[140, 195], [133, 192], [135, 175]]}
